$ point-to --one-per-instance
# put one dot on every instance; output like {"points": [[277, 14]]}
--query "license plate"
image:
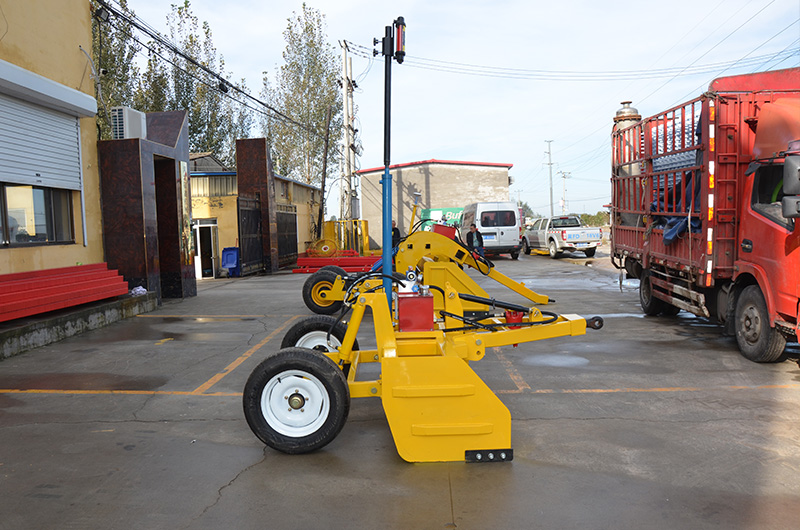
{"points": [[488, 237]]}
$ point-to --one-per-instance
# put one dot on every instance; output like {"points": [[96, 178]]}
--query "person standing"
{"points": [[395, 235], [475, 240]]}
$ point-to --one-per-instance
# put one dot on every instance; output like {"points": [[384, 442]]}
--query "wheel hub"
{"points": [[751, 324], [296, 400]]}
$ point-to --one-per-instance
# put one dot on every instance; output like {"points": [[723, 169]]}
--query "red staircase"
{"points": [[31, 293]]}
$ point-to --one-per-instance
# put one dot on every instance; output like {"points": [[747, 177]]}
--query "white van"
{"points": [[498, 223]]}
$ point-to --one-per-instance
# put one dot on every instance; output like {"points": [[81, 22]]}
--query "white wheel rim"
{"points": [[318, 340], [295, 403]]}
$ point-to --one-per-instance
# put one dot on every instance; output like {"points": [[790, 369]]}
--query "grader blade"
{"points": [[439, 410]]}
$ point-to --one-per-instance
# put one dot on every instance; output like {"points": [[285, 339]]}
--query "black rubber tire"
{"points": [[298, 335], [553, 249], [314, 289], [590, 252], [313, 324], [314, 375], [525, 247], [650, 304], [758, 341], [334, 268], [515, 254]]}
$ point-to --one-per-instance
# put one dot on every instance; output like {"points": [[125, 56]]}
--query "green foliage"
{"points": [[599, 219], [113, 51], [171, 82], [305, 87], [154, 92]]}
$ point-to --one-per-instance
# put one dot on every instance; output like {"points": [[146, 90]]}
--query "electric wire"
{"points": [[148, 30], [566, 75], [231, 97]]}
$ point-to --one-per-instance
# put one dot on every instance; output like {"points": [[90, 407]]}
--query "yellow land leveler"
{"points": [[298, 399]]}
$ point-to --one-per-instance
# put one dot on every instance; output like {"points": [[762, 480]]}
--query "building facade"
{"points": [[216, 213], [49, 181], [442, 184]]}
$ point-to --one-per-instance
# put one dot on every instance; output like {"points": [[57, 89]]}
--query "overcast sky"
{"points": [[489, 118]]}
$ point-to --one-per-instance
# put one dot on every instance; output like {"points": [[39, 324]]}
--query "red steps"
{"points": [[30, 293]]}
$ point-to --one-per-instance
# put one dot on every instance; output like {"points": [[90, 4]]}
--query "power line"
{"points": [[148, 30], [563, 75]]}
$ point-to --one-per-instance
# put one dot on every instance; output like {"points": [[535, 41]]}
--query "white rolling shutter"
{"points": [[38, 146]]}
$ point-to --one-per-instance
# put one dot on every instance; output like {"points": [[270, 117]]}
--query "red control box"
{"points": [[414, 312], [446, 230]]}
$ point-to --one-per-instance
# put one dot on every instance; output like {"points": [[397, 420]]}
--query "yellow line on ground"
{"points": [[116, 392], [512, 372], [246, 355]]}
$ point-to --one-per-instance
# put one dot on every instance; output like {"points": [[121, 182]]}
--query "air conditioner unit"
{"points": [[128, 123]]}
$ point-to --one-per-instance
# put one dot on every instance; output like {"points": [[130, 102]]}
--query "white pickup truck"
{"points": [[559, 234]]}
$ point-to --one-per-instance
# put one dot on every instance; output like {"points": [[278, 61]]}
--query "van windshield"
{"points": [[498, 218]]}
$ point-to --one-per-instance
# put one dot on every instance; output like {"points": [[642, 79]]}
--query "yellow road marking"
{"points": [[246, 355], [162, 341], [512, 372], [117, 392]]}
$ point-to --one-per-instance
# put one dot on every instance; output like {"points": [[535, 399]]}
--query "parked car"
{"points": [[561, 234]]}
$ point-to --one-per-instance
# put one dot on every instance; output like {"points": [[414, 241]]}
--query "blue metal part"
{"points": [[387, 234]]}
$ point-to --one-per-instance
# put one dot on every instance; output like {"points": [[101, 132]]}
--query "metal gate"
{"points": [[251, 254], [287, 234]]}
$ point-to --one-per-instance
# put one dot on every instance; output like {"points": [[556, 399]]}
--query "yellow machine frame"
{"points": [[437, 407], [440, 259]]}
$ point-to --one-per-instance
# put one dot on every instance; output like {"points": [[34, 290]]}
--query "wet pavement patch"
{"points": [[87, 381]]}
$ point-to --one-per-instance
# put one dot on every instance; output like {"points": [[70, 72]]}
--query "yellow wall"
{"points": [[224, 210], [44, 37], [307, 213]]}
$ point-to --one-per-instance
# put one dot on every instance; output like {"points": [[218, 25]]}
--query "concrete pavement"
{"points": [[650, 422]]}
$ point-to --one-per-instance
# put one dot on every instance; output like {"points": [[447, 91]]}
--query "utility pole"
{"points": [[550, 163], [346, 209]]}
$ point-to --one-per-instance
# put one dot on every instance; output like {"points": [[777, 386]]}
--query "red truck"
{"points": [[705, 198]]}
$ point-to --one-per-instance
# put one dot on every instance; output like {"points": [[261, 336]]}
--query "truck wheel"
{"points": [[296, 400], [758, 341], [515, 254], [590, 252], [650, 304], [554, 253], [525, 247], [316, 291]]}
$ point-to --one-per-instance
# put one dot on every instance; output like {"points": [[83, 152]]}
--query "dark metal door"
{"points": [[287, 238], [251, 253]]}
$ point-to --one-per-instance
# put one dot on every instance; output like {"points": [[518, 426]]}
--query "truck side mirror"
{"points": [[791, 207], [791, 175]]}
